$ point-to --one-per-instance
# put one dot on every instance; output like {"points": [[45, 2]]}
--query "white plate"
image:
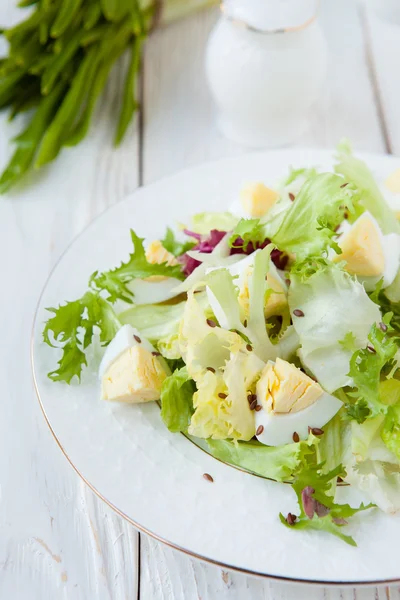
{"points": [[155, 478]]}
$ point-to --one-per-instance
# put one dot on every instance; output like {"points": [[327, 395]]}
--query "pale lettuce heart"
{"points": [[333, 305]]}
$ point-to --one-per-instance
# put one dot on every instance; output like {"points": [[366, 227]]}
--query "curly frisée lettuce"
{"points": [[308, 227], [219, 306]]}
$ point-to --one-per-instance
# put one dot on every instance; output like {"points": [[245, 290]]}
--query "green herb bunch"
{"points": [[58, 63]]}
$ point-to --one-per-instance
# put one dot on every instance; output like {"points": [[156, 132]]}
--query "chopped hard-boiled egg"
{"points": [[392, 183], [256, 200], [125, 338], [131, 370], [291, 403], [156, 254], [368, 253]]}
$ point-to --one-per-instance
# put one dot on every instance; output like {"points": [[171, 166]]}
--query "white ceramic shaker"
{"points": [[266, 66]]}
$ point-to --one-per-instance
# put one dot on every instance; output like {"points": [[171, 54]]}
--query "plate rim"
{"points": [[136, 525]]}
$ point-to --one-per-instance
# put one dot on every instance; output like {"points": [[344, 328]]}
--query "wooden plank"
{"points": [[57, 540], [383, 40], [179, 131]]}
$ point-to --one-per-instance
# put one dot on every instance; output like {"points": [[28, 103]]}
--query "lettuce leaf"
{"points": [[222, 410], [154, 321], [333, 304], [115, 282], [204, 222], [175, 246], [366, 366], [356, 172], [176, 400], [73, 326], [273, 462], [318, 508], [308, 227]]}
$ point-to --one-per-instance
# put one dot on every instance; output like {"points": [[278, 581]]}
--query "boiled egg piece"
{"points": [[131, 370], [255, 201], [368, 253], [291, 402], [125, 338], [391, 191]]}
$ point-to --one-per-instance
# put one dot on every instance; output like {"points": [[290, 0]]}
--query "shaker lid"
{"points": [[271, 15]]}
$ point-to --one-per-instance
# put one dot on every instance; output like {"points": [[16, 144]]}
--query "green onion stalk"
{"points": [[59, 59]]}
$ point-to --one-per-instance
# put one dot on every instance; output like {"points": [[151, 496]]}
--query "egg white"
{"points": [[279, 427]]}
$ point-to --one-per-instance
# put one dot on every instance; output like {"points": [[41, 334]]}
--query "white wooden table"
{"points": [[58, 541]]}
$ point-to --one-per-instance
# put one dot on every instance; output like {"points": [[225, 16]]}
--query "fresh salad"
{"points": [[271, 331]]}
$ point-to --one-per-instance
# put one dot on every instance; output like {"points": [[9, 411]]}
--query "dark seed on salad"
{"points": [[339, 479], [251, 398], [208, 477], [317, 431], [291, 196], [296, 437], [258, 407], [344, 184], [382, 326], [371, 349], [222, 395], [245, 323], [249, 348], [211, 369], [298, 312], [291, 519], [156, 353], [253, 405], [211, 323], [137, 338], [260, 429], [287, 281]]}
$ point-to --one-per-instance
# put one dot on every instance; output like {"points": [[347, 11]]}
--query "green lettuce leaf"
{"points": [[318, 508], [248, 230], [73, 326], [333, 304], [176, 400], [308, 227], [115, 282], [366, 367], [356, 172], [223, 297], [222, 410], [391, 430], [274, 462], [175, 246], [154, 321], [203, 222]]}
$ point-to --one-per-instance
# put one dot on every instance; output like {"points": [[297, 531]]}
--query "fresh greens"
{"points": [[176, 400], [155, 321], [247, 231], [366, 366], [73, 325], [173, 245], [115, 282], [278, 463], [333, 304], [357, 174], [58, 62], [308, 227], [318, 508]]}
